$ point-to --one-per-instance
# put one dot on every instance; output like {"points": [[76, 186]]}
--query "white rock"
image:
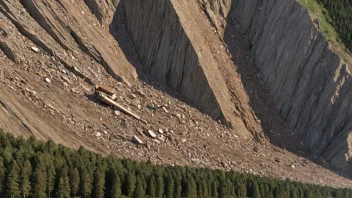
{"points": [[97, 134], [47, 80], [166, 111], [178, 115], [183, 140], [160, 131], [35, 49], [117, 113], [151, 134]]}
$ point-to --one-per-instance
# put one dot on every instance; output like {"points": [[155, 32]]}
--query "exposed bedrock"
{"points": [[308, 80], [171, 49]]}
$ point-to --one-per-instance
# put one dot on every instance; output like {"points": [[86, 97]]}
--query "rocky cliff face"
{"points": [[52, 53], [308, 80], [177, 46]]}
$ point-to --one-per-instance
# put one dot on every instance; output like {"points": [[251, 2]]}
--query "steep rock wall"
{"points": [[170, 47], [167, 53], [308, 80]]}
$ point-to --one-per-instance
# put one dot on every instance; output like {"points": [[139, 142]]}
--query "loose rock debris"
{"points": [[108, 96], [66, 115]]}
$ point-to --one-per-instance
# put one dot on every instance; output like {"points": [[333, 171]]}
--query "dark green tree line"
{"points": [[30, 168]]}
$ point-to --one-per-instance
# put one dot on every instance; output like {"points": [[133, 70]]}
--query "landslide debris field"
{"points": [[53, 53]]}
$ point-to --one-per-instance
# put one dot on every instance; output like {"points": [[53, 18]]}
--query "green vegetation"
{"points": [[335, 20], [30, 168]]}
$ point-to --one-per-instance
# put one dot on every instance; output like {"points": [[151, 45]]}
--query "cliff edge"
{"points": [[307, 78]]}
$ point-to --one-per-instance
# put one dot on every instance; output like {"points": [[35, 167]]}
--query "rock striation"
{"points": [[173, 40], [308, 78]]}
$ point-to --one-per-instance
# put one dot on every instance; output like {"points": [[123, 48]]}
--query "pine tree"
{"points": [[50, 178], [64, 184], [39, 184], [25, 184], [151, 187], [2, 175], [74, 180], [86, 183], [99, 184], [214, 189], [169, 186], [204, 187], [140, 191], [191, 188], [130, 184], [178, 186], [243, 190], [115, 185], [256, 191], [12, 182], [159, 185]]}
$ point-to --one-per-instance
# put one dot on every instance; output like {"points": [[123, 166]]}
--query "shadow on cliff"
{"points": [[273, 125], [118, 29], [259, 97], [238, 46]]}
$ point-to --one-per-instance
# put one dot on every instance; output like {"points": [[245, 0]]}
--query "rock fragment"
{"points": [[137, 140], [166, 111], [178, 115], [151, 134], [35, 49], [97, 134], [117, 113], [140, 93]]}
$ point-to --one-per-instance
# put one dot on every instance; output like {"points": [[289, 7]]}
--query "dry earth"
{"points": [[47, 91]]}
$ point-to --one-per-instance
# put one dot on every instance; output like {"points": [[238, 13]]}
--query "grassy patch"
{"points": [[319, 12]]}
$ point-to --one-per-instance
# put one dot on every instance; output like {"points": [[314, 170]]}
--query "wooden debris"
{"points": [[107, 100], [105, 89]]}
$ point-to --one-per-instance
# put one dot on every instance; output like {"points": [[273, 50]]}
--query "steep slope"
{"points": [[178, 47], [308, 79], [53, 52]]}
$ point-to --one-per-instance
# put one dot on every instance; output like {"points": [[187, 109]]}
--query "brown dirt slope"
{"points": [[53, 52]]}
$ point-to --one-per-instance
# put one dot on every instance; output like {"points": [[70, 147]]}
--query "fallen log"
{"points": [[107, 100], [105, 89]]}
